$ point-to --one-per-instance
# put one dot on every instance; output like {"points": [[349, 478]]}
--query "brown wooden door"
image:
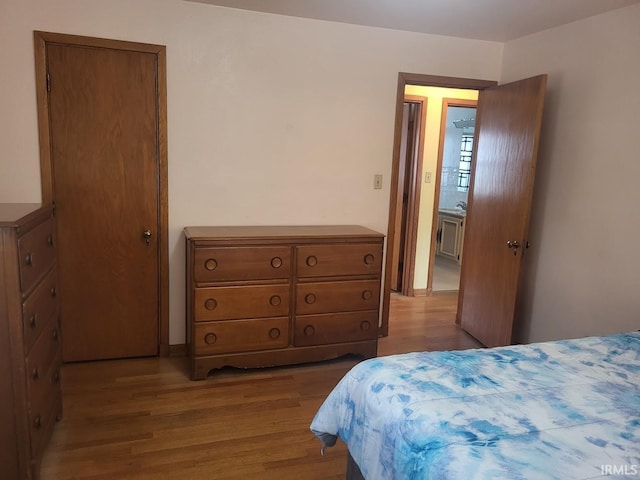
{"points": [[407, 198], [401, 204], [508, 129], [103, 117]]}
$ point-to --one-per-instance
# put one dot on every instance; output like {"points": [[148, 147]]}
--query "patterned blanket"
{"points": [[566, 409]]}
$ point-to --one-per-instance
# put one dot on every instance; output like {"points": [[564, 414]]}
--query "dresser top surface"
{"points": [[287, 231], [13, 214]]}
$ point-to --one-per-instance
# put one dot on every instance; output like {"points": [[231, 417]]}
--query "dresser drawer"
{"points": [[327, 297], [254, 301], [336, 260], [37, 254], [335, 328], [43, 414], [241, 263], [39, 307], [43, 380], [43, 362], [241, 335]]}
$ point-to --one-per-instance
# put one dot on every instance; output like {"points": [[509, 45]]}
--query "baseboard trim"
{"points": [[178, 350]]}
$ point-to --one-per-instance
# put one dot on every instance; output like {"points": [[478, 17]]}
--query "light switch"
{"points": [[377, 182], [427, 177]]}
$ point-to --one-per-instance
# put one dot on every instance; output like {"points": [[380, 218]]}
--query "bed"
{"points": [[565, 409]]}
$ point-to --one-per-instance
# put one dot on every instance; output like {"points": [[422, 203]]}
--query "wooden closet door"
{"points": [[103, 116]]}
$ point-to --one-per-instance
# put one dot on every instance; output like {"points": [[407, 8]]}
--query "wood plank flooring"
{"points": [[144, 419]]}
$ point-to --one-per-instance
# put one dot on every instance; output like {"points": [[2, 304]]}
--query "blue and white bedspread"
{"points": [[567, 410]]}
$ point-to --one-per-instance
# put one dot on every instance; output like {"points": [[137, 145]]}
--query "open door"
{"points": [[401, 203], [408, 194], [507, 134]]}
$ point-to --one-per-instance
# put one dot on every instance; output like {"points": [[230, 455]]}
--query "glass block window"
{"points": [[464, 171]]}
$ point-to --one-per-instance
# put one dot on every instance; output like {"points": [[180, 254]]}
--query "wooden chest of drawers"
{"points": [[264, 296], [30, 354]]}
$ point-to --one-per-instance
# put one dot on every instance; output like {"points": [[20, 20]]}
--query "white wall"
{"points": [[583, 270], [450, 195], [271, 119]]}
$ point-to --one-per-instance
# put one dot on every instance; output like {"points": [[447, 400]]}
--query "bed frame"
{"points": [[353, 471]]}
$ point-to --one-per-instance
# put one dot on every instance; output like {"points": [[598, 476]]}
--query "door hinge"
{"points": [[48, 82]]}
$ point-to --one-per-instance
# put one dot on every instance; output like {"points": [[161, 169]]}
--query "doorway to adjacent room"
{"points": [[502, 172]]}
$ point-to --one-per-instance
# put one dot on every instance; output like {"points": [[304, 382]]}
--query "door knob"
{"points": [[515, 245], [147, 236]]}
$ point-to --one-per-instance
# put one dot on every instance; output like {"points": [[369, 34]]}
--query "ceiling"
{"points": [[494, 20]]}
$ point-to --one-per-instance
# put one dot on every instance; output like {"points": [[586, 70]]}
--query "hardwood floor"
{"points": [[424, 323], [144, 419]]}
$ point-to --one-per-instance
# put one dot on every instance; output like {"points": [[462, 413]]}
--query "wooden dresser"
{"points": [[30, 354], [264, 296]]}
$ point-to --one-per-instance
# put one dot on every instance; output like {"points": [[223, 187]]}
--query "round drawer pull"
{"points": [[210, 304], [274, 333], [33, 320], [309, 330], [365, 325], [37, 422], [54, 292], [312, 261], [28, 259], [210, 338], [369, 259], [366, 295], [50, 239], [35, 373], [275, 300], [210, 264], [276, 262], [310, 298]]}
